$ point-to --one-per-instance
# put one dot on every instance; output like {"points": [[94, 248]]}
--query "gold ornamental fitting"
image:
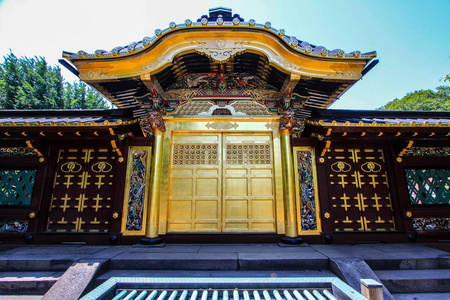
{"points": [[399, 159], [120, 159], [409, 214], [115, 215], [32, 215], [41, 159], [327, 215], [321, 160]]}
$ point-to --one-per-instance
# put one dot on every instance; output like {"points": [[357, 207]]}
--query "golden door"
{"points": [[221, 183]]}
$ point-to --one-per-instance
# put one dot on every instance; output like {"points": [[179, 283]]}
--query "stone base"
{"points": [[292, 240], [151, 241]]}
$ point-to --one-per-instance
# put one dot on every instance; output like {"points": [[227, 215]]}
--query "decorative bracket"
{"points": [[404, 150], [287, 89], [153, 123], [289, 123], [324, 150], [114, 146], [28, 142], [155, 93]]}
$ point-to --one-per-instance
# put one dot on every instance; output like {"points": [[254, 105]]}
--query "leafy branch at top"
{"points": [[30, 83]]}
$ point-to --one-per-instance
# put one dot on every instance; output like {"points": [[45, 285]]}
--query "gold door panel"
{"points": [[195, 184], [248, 192], [221, 183]]}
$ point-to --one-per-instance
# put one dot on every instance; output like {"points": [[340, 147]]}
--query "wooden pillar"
{"points": [[371, 289]]}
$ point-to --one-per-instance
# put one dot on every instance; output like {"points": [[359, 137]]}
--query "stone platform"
{"points": [[402, 268]]}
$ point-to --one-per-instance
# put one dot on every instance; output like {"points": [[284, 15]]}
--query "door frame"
{"points": [[225, 124]]}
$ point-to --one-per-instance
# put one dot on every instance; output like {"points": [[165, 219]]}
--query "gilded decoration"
{"points": [[222, 125], [428, 151], [193, 108], [248, 154], [371, 167], [238, 108], [17, 151], [219, 85], [220, 50], [431, 224], [195, 154], [137, 191], [71, 167], [390, 123], [428, 186], [101, 167], [66, 124], [290, 123], [153, 123], [307, 191], [341, 166], [250, 108]]}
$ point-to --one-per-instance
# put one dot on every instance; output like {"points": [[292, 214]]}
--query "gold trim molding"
{"points": [[219, 45]]}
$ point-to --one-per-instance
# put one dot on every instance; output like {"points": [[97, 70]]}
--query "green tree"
{"points": [[425, 100], [30, 83], [79, 95]]}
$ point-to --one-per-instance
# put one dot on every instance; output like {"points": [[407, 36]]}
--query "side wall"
{"points": [[366, 192]]}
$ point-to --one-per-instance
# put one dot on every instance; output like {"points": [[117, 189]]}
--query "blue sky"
{"points": [[411, 37]]}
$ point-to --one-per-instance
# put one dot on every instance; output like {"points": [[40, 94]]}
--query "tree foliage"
{"points": [[30, 83], [425, 100]]}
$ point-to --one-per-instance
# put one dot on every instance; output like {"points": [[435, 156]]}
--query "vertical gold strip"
{"points": [[151, 231], [289, 185], [278, 167]]}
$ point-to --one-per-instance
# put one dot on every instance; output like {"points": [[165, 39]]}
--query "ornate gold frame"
{"points": [[218, 124], [132, 150], [297, 192]]}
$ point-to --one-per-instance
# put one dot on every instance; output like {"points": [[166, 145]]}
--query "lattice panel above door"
{"points": [[359, 190], [83, 190]]}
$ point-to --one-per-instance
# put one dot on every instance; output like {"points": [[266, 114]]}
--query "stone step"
{"points": [[422, 296], [231, 274], [440, 262], [13, 263], [21, 297], [220, 261], [27, 283], [415, 281]]}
